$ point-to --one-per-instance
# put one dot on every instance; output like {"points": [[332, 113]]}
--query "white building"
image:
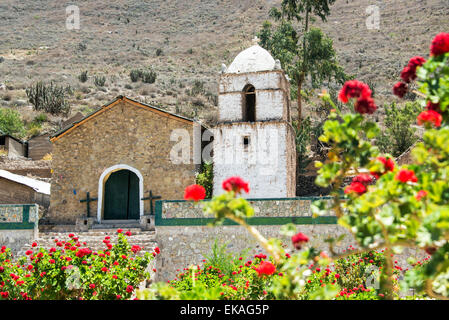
{"points": [[254, 138]]}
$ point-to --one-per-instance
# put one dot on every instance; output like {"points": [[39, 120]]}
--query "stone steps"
{"points": [[94, 239]]}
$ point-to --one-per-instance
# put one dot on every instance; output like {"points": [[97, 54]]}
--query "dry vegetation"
{"points": [[185, 42]]}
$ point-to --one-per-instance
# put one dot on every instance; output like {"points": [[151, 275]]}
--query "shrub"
{"points": [[71, 270], [50, 98], [399, 134], [148, 76], [11, 122], [83, 76], [99, 81], [135, 75]]}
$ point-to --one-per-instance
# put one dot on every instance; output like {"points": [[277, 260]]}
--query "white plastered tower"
{"points": [[254, 138]]}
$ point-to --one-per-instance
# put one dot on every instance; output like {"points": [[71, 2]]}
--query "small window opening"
{"points": [[249, 106], [245, 142]]}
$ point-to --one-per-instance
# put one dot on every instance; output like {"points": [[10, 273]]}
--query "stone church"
{"points": [[118, 154]]}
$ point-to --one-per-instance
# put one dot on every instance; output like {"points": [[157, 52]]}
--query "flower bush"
{"points": [[70, 270]]}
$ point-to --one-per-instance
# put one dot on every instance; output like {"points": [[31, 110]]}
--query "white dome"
{"points": [[253, 59]]}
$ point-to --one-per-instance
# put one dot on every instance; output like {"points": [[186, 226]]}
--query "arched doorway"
{"points": [[120, 190], [121, 196]]}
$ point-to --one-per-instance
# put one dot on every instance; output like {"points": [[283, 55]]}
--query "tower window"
{"points": [[245, 142], [249, 105]]}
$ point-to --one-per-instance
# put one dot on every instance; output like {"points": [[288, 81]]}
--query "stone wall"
{"points": [[124, 134], [18, 225], [184, 237]]}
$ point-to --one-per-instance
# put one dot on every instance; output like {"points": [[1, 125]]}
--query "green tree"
{"points": [[310, 56], [206, 178], [11, 123], [398, 134]]}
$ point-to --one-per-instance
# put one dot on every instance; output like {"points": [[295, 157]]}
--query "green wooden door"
{"points": [[121, 196]]}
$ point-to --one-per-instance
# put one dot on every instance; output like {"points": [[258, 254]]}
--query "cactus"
{"points": [[50, 98]]}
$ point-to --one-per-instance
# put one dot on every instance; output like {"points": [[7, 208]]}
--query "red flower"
{"points": [[405, 175], [92, 286], [129, 289], [118, 297], [337, 276], [51, 261], [421, 194], [299, 239], [365, 105], [409, 72], [354, 89], [71, 235], [119, 230], [157, 250], [388, 166], [104, 269], [4, 295], [433, 106], [265, 268], [430, 117], [114, 276], [28, 252], [363, 178], [440, 44], [128, 233], [34, 244], [356, 187], [400, 89], [194, 192], [135, 248], [235, 184]]}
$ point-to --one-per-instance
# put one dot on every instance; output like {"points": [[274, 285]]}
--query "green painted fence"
{"points": [[256, 220], [18, 216]]}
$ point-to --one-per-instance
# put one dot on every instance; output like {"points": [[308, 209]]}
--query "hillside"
{"points": [[186, 42]]}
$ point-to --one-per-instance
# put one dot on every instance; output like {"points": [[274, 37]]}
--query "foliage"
{"points": [[146, 76], [72, 271], [303, 135], [83, 76], [11, 122], [206, 178], [99, 81], [50, 98], [308, 58], [399, 134], [407, 207]]}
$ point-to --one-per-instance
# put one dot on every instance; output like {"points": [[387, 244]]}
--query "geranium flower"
{"points": [[356, 187], [265, 268], [194, 192], [440, 44], [365, 105], [409, 72], [129, 289], [421, 194], [235, 184], [354, 89], [430, 117], [388, 166], [299, 239], [400, 89], [405, 176]]}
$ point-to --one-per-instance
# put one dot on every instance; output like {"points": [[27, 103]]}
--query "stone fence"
{"points": [[185, 238], [18, 225]]}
